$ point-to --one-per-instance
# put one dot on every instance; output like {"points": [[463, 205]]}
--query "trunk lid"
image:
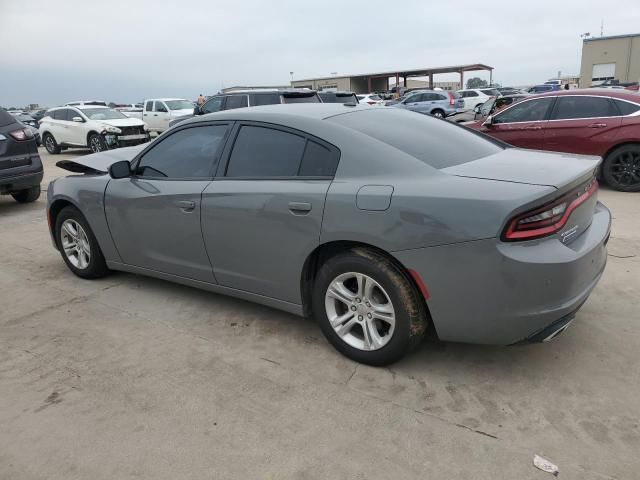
{"points": [[99, 163], [560, 170]]}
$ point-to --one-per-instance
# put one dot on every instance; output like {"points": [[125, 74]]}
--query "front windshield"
{"points": [[102, 114], [179, 104]]}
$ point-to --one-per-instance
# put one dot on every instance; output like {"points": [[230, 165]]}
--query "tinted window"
{"points": [[159, 107], [530, 111], [213, 105], [189, 153], [318, 161], [62, 114], [236, 101], [583, 107], [626, 108], [439, 144], [311, 98], [265, 152], [149, 106], [438, 96], [332, 97], [258, 99], [492, 92], [470, 94]]}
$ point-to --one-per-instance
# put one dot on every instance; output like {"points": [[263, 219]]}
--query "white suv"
{"points": [[473, 97], [96, 127]]}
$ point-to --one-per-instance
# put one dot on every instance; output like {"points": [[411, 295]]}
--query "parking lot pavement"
{"points": [[134, 377]]}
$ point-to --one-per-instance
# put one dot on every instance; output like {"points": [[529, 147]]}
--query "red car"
{"points": [[603, 122]]}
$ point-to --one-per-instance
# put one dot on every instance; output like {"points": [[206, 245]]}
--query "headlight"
{"points": [[112, 129]]}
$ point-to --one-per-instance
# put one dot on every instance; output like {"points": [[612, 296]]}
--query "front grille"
{"points": [[132, 130]]}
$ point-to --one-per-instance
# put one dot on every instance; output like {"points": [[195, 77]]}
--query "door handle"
{"points": [[598, 125], [533, 127], [155, 114], [299, 208], [186, 205]]}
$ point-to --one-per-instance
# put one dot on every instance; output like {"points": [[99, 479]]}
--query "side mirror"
{"points": [[121, 169], [488, 121], [77, 119], [476, 109]]}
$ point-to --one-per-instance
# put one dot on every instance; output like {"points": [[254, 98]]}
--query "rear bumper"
{"points": [[492, 292], [20, 182]]}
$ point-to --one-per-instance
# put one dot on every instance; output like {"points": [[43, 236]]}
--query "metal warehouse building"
{"points": [[606, 58], [376, 82]]}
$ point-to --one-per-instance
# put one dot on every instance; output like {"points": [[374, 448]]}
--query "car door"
{"points": [[154, 216], [76, 131], [148, 117], [582, 124], [261, 216], [470, 99], [161, 115], [521, 125], [412, 102]]}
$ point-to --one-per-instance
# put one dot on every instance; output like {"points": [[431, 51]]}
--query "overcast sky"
{"points": [[125, 51]]}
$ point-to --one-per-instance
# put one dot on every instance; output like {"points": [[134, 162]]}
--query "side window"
{"points": [[236, 101], [66, 114], [413, 98], [59, 114], [437, 96], [148, 106], [213, 105], [626, 108], [531, 111], [471, 93], [318, 161], [189, 153], [583, 107], [264, 99], [160, 107], [265, 152], [72, 113]]}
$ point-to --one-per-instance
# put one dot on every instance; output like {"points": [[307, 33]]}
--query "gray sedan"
{"points": [[380, 223]]}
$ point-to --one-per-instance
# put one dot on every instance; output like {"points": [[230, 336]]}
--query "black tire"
{"points": [[96, 267], [411, 316], [50, 144], [96, 143], [621, 168], [27, 195], [438, 113]]}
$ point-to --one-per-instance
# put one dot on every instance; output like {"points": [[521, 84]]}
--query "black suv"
{"points": [[20, 166], [252, 98]]}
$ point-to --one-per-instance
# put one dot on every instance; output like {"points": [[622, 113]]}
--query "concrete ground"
{"points": [[131, 377]]}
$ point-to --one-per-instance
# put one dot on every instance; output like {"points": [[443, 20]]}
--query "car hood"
{"points": [[99, 163], [533, 167], [123, 122]]}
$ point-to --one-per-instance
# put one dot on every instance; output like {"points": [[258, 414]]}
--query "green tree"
{"points": [[475, 82]]}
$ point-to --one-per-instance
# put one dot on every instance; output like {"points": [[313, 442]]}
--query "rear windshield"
{"points": [[331, 97], [298, 98], [438, 143], [6, 118]]}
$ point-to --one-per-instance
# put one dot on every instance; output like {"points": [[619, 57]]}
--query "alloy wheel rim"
{"points": [[360, 311], [75, 244], [438, 115], [625, 168], [95, 145], [49, 144]]}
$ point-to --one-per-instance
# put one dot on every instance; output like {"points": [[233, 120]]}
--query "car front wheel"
{"points": [[78, 245], [368, 308], [96, 143]]}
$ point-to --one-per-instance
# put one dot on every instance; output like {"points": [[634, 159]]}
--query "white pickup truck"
{"points": [[158, 112]]}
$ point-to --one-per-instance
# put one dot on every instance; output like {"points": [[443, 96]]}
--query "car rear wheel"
{"points": [[621, 168], [27, 195], [50, 144], [78, 245], [96, 143], [438, 113], [368, 308]]}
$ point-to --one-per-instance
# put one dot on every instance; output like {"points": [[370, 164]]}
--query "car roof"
{"points": [[268, 90], [165, 99], [591, 92]]}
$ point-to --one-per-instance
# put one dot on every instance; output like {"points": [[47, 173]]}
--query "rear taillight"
{"points": [[451, 99], [22, 134], [371, 102], [550, 218]]}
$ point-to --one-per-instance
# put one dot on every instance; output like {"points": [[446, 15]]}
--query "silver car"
{"points": [[362, 217]]}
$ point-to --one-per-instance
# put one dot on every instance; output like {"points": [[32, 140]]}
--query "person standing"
{"points": [[201, 99]]}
